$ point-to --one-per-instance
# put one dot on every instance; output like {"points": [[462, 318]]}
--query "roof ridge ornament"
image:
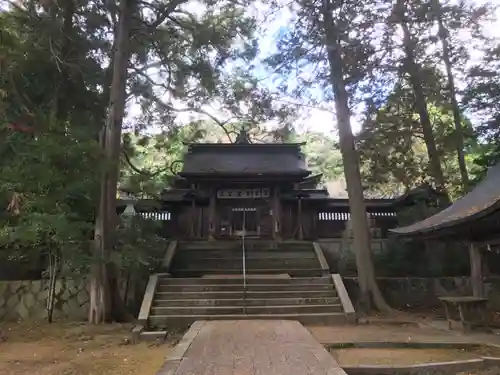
{"points": [[243, 138]]}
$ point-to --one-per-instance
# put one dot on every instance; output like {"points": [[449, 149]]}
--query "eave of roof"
{"points": [[243, 145], [216, 174], [482, 201]]}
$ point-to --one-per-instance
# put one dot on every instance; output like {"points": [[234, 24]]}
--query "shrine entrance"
{"points": [[239, 220], [244, 211], [245, 221], [252, 220]]}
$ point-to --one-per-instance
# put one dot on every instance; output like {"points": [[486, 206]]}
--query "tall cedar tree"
{"points": [[331, 41], [443, 36], [101, 296], [406, 17]]}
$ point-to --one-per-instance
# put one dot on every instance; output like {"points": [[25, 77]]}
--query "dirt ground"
{"points": [[404, 356], [76, 349], [80, 349]]}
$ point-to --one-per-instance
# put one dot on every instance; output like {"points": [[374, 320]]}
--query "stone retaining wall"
{"points": [[340, 256], [416, 292], [20, 300], [27, 299]]}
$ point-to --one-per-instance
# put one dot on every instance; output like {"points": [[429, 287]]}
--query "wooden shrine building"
{"points": [[263, 189], [473, 220]]}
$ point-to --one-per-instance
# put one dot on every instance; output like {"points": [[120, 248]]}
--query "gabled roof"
{"points": [[480, 202], [311, 181], [423, 189], [244, 159]]}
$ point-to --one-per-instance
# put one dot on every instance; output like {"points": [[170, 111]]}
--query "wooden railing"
{"points": [[332, 224]]}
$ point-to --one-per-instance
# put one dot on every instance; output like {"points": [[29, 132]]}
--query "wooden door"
{"points": [[245, 219]]}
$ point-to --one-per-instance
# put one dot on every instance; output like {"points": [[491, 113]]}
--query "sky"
{"points": [[323, 120], [271, 25]]}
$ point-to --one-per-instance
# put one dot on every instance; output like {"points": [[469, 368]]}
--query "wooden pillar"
{"points": [[476, 269], [276, 214], [314, 230], [299, 219], [211, 215], [193, 218], [199, 229]]}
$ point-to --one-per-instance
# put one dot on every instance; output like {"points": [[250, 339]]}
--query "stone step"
{"points": [[221, 254], [252, 279], [164, 321], [239, 287], [228, 310], [249, 294], [250, 244], [250, 263], [247, 302], [182, 272]]}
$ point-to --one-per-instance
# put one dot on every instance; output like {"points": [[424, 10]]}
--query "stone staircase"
{"points": [[205, 282], [202, 258]]}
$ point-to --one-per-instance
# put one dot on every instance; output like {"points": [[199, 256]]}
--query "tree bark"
{"points": [[443, 36], [369, 291], [101, 301], [67, 56], [53, 271], [414, 72]]}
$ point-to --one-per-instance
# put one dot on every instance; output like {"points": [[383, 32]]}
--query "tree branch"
{"points": [[141, 171], [222, 124], [166, 12]]}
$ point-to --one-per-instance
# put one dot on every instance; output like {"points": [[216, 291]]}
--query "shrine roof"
{"points": [[243, 146], [480, 202], [244, 159]]}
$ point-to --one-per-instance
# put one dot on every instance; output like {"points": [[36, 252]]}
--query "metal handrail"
{"points": [[243, 256]]}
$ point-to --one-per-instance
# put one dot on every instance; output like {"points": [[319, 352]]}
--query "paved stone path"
{"points": [[250, 347]]}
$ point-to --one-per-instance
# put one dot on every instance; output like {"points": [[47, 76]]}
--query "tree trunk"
{"points": [[413, 70], [100, 299], [369, 291], [443, 36], [67, 56], [53, 271]]}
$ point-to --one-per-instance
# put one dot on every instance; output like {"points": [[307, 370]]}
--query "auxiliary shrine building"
{"points": [[263, 190]]}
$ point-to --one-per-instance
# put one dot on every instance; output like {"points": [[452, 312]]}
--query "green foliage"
{"points": [[140, 245], [53, 184], [151, 159], [48, 173], [399, 161], [323, 155], [483, 98]]}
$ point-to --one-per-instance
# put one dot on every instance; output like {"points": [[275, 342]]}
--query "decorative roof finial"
{"points": [[243, 137]]}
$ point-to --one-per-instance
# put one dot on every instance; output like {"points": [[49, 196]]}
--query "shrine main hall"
{"points": [[261, 190]]}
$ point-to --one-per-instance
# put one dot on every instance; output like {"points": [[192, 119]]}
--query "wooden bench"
{"points": [[465, 313]]}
